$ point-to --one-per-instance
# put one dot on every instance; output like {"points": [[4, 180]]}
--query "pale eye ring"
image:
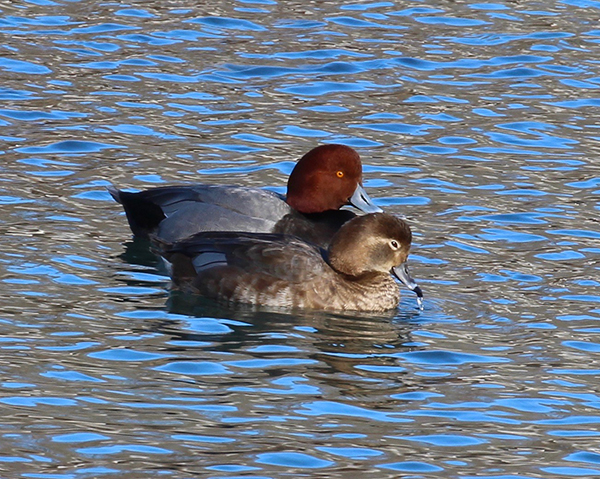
{"points": [[394, 245], [339, 174]]}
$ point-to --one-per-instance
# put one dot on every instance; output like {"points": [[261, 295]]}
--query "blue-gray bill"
{"points": [[401, 272], [361, 200]]}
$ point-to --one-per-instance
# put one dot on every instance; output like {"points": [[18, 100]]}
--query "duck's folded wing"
{"points": [[270, 257], [175, 212]]}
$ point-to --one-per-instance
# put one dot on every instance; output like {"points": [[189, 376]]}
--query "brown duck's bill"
{"points": [[361, 200], [401, 272]]}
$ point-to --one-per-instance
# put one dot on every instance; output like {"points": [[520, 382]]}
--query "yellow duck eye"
{"points": [[340, 174]]}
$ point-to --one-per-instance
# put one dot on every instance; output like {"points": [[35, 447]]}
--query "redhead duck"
{"points": [[325, 179], [284, 271]]}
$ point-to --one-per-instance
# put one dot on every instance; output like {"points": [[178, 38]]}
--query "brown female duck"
{"points": [[286, 271]]}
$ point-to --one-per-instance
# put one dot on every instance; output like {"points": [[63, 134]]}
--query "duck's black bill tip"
{"points": [[419, 294]]}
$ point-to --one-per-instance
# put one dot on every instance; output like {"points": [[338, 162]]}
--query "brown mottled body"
{"points": [[285, 271]]}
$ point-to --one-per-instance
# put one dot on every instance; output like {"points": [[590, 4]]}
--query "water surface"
{"points": [[477, 121]]}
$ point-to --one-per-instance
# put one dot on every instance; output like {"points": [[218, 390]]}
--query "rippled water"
{"points": [[478, 121]]}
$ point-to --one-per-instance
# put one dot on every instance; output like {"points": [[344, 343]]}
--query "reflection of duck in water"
{"points": [[325, 179], [285, 271], [335, 350]]}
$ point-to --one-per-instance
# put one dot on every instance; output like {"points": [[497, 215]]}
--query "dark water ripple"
{"points": [[477, 121]]}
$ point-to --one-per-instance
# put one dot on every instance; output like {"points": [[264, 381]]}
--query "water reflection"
{"points": [[474, 120], [346, 348]]}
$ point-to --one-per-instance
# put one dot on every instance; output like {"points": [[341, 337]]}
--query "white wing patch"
{"points": [[208, 260]]}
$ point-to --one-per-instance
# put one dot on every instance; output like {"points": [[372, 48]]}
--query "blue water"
{"points": [[476, 121]]}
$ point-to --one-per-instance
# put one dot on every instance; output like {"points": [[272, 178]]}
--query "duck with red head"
{"points": [[324, 179]]}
